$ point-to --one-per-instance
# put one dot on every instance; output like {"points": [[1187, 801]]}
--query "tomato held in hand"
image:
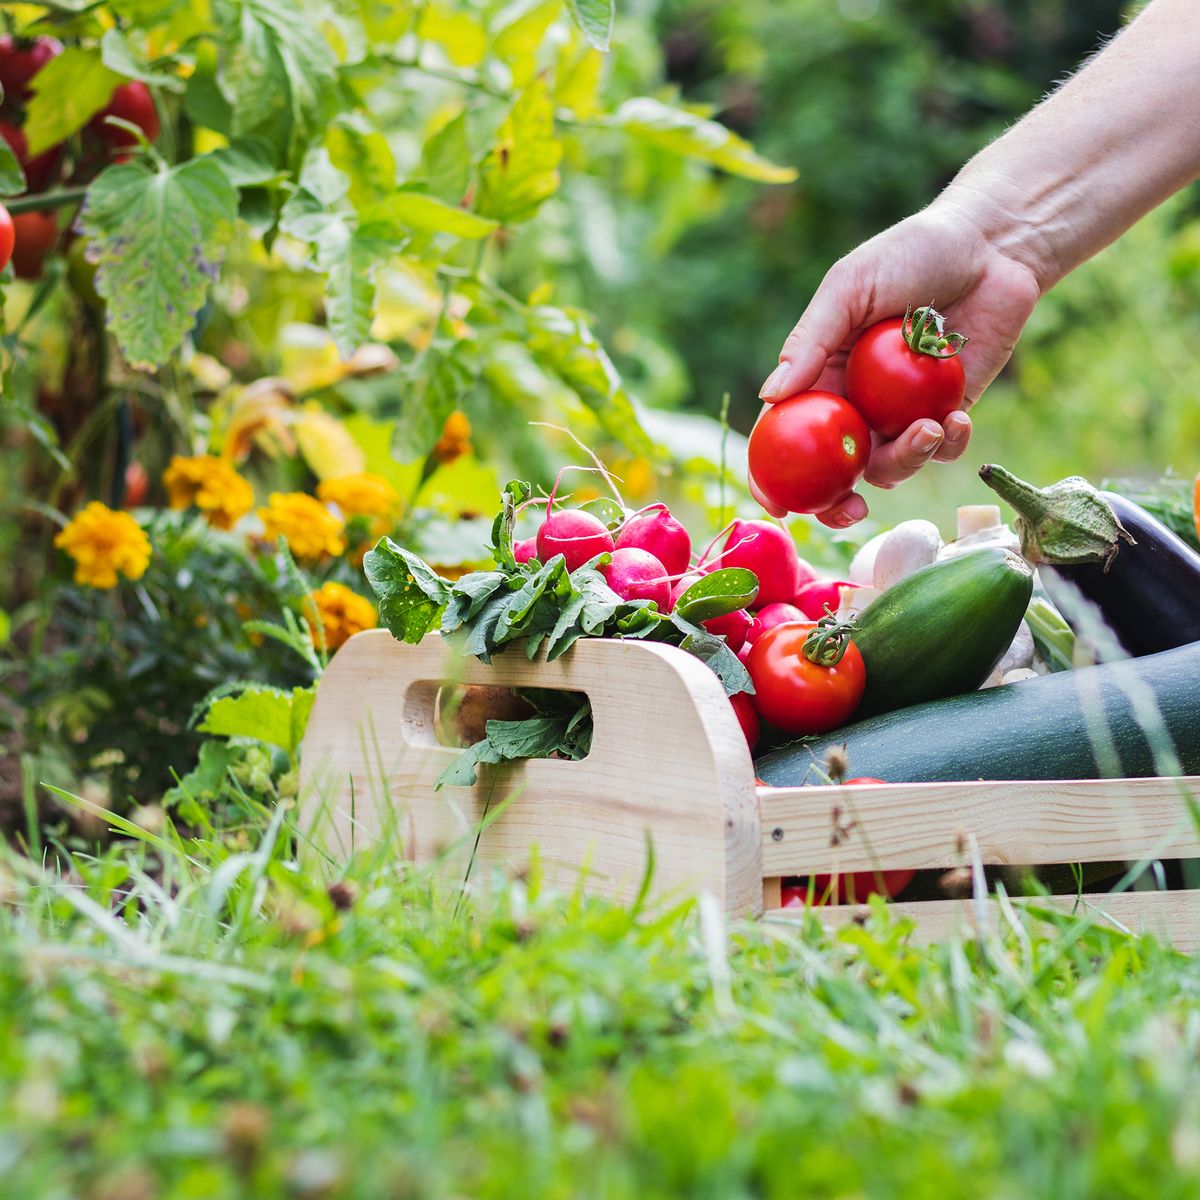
{"points": [[808, 452], [905, 369], [34, 236], [808, 677], [131, 102], [8, 236], [21, 59]]}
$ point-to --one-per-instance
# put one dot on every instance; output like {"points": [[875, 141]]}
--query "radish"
{"points": [[732, 626], [743, 708], [767, 550], [756, 630], [637, 575], [812, 598], [575, 534], [771, 615], [525, 549], [656, 531]]}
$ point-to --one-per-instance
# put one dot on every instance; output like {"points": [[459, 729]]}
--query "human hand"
{"points": [[943, 255]]}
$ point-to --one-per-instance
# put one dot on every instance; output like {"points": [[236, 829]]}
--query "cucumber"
{"points": [[1038, 729], [942, 630]]}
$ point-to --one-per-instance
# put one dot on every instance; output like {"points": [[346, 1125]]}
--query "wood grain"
{"points": [[669, 768], [821, 830], [1174, 917]]}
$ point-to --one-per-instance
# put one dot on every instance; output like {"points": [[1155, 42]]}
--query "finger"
{"points": [[957, 427], [846, 512], [756, 492], [819, 334], [893, 462]]}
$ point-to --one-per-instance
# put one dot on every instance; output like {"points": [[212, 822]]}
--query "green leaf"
{"points": [[562, 341], [264, 714], [276, 70], [446, 161], [521, 172], [516, 491], [713, 650], [349, 264], [468, 595], [567, 735], [67, 92], [121, 58], [595, 19], [12, 177], [607, 510], [534, 607], [717, 594], [519, 30], [693, 136], [248, 161], [478, 638], [157, 236], [411, 594], [428, 214]]}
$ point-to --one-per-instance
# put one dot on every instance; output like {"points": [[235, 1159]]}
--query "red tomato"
{"points": [[743, 707], [21, 59], [39, 171], [131, 102], [795, 693], [34, 236], [137, 484], [893, 383], [812, 598], [8, 236], [809, 451]]}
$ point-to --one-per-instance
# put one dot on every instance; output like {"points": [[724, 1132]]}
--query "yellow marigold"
{"points": [[455, 440], [102, 543], [308, 527], [211, 485], [343, 613], [361, 495]]}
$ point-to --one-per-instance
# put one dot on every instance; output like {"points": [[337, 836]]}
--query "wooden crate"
{"points": [[669, 775]]}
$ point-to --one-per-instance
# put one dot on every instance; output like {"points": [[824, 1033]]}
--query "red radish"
{"points": [[812, 598], [755, 631], [771, 615], [733, 626], [525, 549], [637, 575], [576, 535], [656, 531], [743, 708], [766, 549]]}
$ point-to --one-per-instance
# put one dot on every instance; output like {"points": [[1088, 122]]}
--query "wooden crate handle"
{"points": [[669, 768]]}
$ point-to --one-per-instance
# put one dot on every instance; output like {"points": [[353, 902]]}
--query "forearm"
{"points": [[1109, 145]]}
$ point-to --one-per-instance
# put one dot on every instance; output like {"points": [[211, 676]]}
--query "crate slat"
{"points": [[1024, 823], [1173, 917]]}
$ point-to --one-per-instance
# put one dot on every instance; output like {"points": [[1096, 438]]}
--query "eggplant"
{"points": [[1144, 580]]}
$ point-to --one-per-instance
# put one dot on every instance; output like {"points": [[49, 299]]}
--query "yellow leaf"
{"points": [[462, 486], [326, 444], [522, 169], [458, 33], [577, 84], [519, 39]]}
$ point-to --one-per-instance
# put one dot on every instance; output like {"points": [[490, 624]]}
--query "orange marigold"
{"points": [[211, 485], [343, 613], [104, 542], [455, 440], [361, 495], [309, 528]]}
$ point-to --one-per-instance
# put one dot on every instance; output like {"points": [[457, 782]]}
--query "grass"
{"points": [[228, 1024]]}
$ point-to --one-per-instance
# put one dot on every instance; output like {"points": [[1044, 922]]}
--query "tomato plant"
{"points": [[905, 369], [809, 451], [39, 169], [35, 234], [21, 59], [130, 102], [808, 678]]}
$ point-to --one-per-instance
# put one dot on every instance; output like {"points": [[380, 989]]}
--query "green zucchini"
{"points": [[942, 630], [1071, 725]]}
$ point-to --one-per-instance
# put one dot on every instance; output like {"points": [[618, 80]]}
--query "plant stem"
{"points": [[45, 200]]}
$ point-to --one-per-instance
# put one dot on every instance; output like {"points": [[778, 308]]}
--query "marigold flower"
{"points": [[211, 485], [343, 613], [308, 527], [361, 495], [104, 542], [455, 440]]}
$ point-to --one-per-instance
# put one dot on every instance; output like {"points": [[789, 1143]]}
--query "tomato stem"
{"points": [[827, 643], [923, 330]]}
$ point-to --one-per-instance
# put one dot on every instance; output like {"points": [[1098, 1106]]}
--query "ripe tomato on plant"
{"points": [[34, 236], [131, 102], [808, 677], [21, 59], [40, 170], [905, 369], [808, 452], [8, 236]]}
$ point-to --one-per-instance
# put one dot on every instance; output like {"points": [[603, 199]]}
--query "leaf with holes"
{"points": [[157, 236], [693, 136], [715, 595]]}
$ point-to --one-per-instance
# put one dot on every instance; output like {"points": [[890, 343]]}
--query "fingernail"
{"points": [[774, 384], [928, 438], [957, 424]]}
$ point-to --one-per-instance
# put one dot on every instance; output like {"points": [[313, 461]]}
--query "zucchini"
{"points": [[1033, 730], [942, 630]]}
